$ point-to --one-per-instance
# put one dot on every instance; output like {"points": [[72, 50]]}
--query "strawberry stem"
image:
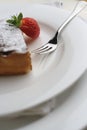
{"points": [[15, 20]]}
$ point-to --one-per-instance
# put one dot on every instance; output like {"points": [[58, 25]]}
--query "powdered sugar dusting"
{"points": [[11, 38]]}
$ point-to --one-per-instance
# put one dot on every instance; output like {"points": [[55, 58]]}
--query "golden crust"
{"points": [[15, 64]]}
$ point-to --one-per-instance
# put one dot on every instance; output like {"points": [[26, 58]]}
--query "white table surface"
{"points": [[68, 114]]}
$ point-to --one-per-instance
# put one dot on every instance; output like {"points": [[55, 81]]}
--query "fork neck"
{"points": [[54, 39]]}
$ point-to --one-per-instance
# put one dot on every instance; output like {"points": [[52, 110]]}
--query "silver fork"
{"points": [[52, 44]]}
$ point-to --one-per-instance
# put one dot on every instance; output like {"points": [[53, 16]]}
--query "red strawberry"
{"points": [[28, 25]]}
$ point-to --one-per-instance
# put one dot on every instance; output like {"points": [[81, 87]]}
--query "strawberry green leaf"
{"points": [[20, 16], [14, 17], [15, 20], [10, 21]]}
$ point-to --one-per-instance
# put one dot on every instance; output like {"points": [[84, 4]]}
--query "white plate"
{"points": [[51, 74]]}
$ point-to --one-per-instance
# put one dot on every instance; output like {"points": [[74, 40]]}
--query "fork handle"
{"points": [[78, 8]]}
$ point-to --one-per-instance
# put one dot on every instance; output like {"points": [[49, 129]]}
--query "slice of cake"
{"points": [[14, 54]]}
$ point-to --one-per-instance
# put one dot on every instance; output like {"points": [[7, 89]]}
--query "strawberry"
{"points": [[29, 26]]}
